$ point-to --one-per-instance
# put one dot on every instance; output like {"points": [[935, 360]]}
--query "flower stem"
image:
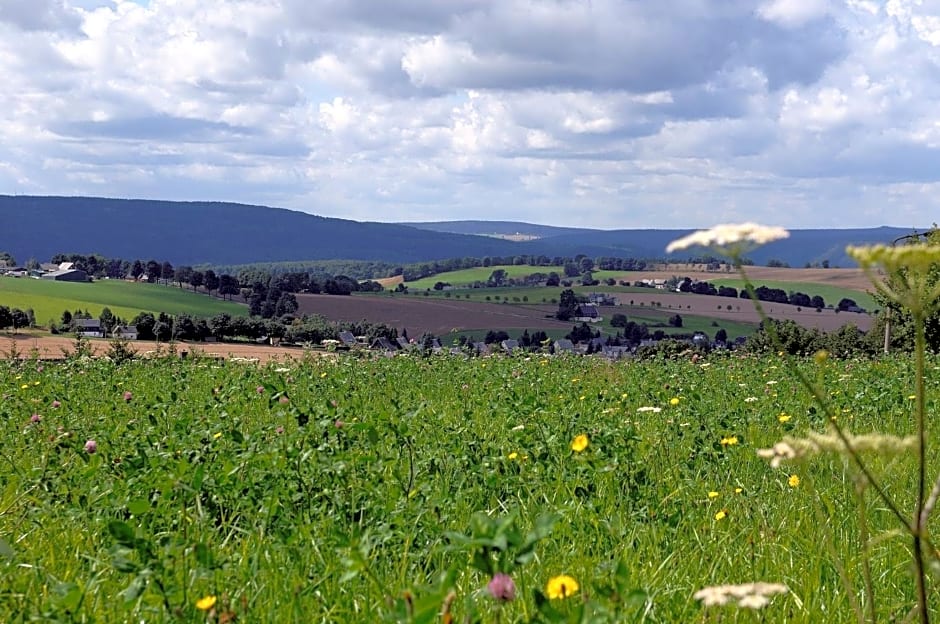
{"points": [[920, 347]]}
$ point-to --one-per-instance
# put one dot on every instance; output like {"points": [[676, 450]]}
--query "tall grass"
{"points": [[351, 490]]}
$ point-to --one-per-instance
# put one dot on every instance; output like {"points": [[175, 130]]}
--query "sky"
{"points": [[590, 113]]}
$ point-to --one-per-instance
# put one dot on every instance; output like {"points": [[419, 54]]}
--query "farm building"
{"points": [[88, 327], [587, 312], [128, 332], [67, 275]]}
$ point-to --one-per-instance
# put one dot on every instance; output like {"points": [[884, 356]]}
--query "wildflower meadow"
{"points": [[415, 489]]}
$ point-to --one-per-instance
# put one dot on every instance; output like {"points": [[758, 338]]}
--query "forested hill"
{"points": [[225, 233], [214, 232]]}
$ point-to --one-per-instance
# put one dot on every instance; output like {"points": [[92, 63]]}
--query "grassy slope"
{"points": [[49, 299]]}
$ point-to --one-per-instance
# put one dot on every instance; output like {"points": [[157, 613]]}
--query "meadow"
{"points": [[357, 490], [49, 299]]}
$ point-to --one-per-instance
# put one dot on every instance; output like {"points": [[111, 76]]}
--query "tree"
{"points": [[675, 321], [721, 335], [196, 280], [166, 272], [20, 318], [6, 317], [7, 260], [144, 323], [154, 271], [286, 304], [184, 274], [567, 305], [210, 280], [107, 320], [497, 278], [137, 269], [220, 325], [66, 318], [817, 302], [845, 303], [228, 285], [618, 320]]}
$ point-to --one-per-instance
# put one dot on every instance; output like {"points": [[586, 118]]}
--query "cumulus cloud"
{"points": [[602, 113]]}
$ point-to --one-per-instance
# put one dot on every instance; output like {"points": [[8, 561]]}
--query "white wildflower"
{"points": [[655, 410], [729, 237], [746, 595]]}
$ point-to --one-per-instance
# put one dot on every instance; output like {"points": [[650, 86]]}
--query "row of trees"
{"points": [[764, 293], [16, 318]]}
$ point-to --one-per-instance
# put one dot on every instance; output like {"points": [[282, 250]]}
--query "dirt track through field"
{"points": [[54, 347]]}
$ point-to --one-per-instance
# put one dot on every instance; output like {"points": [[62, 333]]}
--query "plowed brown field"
{"points": [[441, 316]]}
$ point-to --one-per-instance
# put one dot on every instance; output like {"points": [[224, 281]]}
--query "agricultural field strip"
{"points": [[49, 298]]}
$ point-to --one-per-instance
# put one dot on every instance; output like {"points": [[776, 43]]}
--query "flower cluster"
{"points": [[746, 595], [816, 443], [731, 239]]}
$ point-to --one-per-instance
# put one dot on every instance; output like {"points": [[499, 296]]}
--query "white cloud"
{"points": [[605, 113], [789, 13]]}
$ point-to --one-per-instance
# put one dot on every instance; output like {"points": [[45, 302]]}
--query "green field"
{"points": [[832, 294], [464, 277], [356, 490], [49, 299]]}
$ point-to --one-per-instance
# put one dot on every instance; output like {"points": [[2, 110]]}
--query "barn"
{"points": [[67, 275]]}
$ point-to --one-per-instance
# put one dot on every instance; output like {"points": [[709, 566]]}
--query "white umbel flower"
{"points": [[746, 595], [729, 235]]}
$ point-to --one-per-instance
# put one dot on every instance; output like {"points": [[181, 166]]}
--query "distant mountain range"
{"points": [[227, 233]]}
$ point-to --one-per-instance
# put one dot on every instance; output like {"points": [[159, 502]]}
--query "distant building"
{"points": [[127, 332], [67, 275], [587, 312], [563, 345], [88, 327]]}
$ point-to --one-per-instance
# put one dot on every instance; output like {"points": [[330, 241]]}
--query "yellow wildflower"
{"points": [[206, 602], [24, 386], [784, 417], [738, 490], [513, 455], [821, 356], [729, 441], [579, 443], [674, 401], [217, 436], [793, 481], [561, 586], [721, 515], [713, 494]]}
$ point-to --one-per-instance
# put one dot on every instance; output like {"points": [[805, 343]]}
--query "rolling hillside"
{"points": [[226, 233]]}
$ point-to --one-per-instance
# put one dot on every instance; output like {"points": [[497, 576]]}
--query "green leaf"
{"points": [[135, 589], [138, 507], [203, 555], [122, 533], [6, 551]]}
